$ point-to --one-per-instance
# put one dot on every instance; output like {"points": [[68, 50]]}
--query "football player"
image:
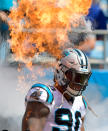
{"points": [[60, 107]]}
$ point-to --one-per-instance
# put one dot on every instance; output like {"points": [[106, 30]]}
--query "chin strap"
{"points": [[74, 92], [67, 92]]}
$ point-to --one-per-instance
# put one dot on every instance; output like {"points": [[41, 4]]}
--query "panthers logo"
{"points": [[36, 95]]}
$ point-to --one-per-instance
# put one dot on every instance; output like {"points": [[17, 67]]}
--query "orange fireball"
{"points": [[42, 25]]}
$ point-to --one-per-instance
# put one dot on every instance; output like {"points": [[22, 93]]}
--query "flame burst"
{"points": [[42, 25]]}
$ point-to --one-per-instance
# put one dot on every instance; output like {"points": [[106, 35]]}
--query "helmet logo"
{"points": [[84, 70], [66, 53]]}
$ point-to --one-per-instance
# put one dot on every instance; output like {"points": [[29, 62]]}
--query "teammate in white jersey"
{"points": [[60, 107]]}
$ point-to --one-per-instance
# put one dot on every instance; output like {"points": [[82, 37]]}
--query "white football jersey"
{"points": [[63, 115]]}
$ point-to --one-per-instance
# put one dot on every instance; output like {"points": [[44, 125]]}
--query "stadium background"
{"points": [[12, 95]]}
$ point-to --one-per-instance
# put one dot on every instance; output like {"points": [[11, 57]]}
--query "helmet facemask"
{"points": [[72, 81], [77, 81]]}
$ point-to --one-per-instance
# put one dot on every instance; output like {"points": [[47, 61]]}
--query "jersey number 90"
{"points": [[59, 120]]}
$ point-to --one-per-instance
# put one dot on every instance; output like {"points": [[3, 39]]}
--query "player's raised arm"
{"points": [[35, 116], [37, 102]]}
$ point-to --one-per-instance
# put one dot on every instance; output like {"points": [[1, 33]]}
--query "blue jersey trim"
{"points": [[50, 99], [85, 103]]}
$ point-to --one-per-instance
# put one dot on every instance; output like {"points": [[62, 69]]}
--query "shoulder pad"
{"points": [[40, 92]]}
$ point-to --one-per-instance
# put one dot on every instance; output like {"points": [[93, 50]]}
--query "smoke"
{"points": [[99, 104], [12, 97], [12, 100], [10, 123], [98, 123], [76, 36]]}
